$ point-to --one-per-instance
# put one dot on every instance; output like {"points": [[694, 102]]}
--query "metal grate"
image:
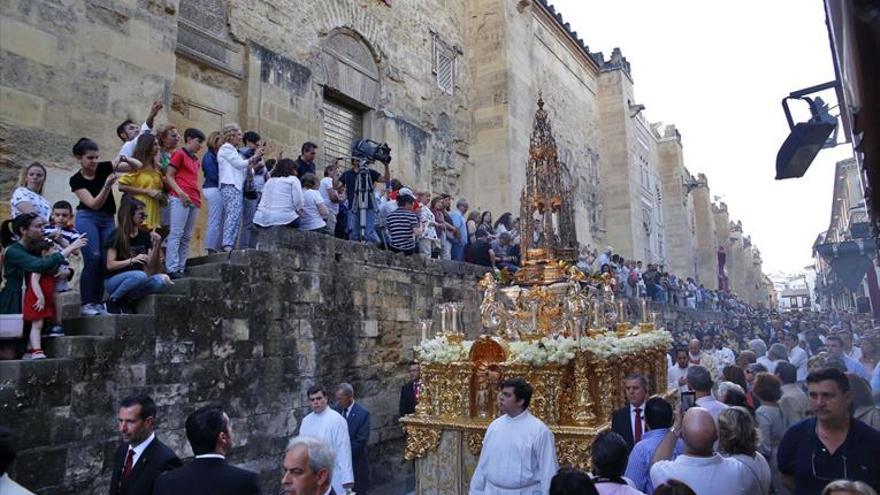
{"points": [[444, 64], [342, 126]]}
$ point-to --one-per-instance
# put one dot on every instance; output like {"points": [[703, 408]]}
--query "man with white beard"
{"points": [[329, 426], [519, 452]]}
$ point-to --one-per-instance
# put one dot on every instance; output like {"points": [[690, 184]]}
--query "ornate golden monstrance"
{"points": [[559, 329]]}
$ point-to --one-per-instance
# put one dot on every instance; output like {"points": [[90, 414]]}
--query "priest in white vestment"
{"points": [[519, 452], [328, 425]]}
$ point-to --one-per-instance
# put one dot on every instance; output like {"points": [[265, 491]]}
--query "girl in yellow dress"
{"points": [[146, 184]]}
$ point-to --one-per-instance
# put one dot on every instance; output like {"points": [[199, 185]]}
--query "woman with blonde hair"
{"points": [[27, 197], [211, 192], [233, 169], [738, 439], [847, 487], [146, 184]]}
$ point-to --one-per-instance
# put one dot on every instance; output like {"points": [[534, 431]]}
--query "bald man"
{"points": [[703, 469]]}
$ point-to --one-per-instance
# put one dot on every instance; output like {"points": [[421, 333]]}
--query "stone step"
{"points": [[16, 372], [77, 346], [206, 270], [150, 305], [109, 325], [186, 285], [238, 256]]}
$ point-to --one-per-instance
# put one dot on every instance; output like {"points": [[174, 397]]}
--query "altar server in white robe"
{"points": [[328, 425], [519, 453]]}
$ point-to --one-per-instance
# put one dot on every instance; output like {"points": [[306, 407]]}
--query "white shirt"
{"points": [[10, 487], [758, 468], [233, 167], [725, 357], [714, 475], [518, 458], [139, 450], [129, 146], [327, 183], [311, 218], [332, 428], [385, 209], [855, 353], [281, 201], [767, 363], [798, 358], [711, 404], [674, 373], [38, 203], [426, 217], [210, 456]]}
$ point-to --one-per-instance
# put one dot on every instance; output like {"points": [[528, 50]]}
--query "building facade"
{"points": [[845, 254], [453, 94]]}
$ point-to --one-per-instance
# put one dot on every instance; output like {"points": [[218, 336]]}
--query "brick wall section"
{"points": [[254, 333]]}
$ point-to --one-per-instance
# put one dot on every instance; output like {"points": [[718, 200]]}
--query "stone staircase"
{"points": [[59, 387]]}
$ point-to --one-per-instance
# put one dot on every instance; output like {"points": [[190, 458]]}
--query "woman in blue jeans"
{"points": [[132, 260], [93, 186]]}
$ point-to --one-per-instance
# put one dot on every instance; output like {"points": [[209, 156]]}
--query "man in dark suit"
{"points": [[307, 467], [409, 394], [142, 457], [629, 421], [210, 435], [358, 420]]}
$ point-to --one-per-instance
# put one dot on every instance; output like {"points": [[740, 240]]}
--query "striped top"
{"points": [[401, 223]]}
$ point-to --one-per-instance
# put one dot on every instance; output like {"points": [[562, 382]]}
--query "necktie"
{"points": [[345, 413], [638, 425], [129, 460]]}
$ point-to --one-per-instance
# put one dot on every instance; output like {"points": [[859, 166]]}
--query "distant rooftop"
{"points": [[617, 60]]}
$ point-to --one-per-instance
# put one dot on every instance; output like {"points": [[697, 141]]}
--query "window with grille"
{"points": [[444, 64], [342, 126]]}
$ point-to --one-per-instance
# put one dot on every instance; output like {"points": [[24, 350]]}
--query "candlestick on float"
{"points": [[622, 323]]}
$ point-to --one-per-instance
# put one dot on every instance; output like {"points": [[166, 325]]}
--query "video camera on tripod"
{"points": [[367, 151]]}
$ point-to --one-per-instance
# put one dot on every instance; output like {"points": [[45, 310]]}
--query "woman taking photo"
{"points": [[233, 170], [25, 234], [93, 185], [28, 194], [132, 260], [146, 184]]}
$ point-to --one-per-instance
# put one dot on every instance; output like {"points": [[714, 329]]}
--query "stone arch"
{"points": [[351, 67]]}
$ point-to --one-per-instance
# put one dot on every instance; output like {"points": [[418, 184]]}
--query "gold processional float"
{"points": [[557, 328]]}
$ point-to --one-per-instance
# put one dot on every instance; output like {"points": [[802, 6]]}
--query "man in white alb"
{"points": [[328, 425], [519, 452], [676, 375]]}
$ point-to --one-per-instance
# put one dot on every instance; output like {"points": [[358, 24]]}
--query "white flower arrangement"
{"points": [[558, 350], [609, 344], [440, 350]]}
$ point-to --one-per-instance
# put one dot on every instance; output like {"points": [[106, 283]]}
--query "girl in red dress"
{"points": [[39, 303]]}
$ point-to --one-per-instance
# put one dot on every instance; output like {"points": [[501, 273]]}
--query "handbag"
{"points": [[11, 326]]}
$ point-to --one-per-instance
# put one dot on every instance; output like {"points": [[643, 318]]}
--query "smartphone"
{"points": [[688, 400]]}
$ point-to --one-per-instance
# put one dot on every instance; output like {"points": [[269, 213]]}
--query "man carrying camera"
{"points": [[357, 179]]}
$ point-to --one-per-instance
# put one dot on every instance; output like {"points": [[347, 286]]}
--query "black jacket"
{"points": [[211, 476], [621, 423], [359, 434], [156, 459], [407, 399]]}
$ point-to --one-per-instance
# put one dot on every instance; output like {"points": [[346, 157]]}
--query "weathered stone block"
{"points": [[28, 41]]}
